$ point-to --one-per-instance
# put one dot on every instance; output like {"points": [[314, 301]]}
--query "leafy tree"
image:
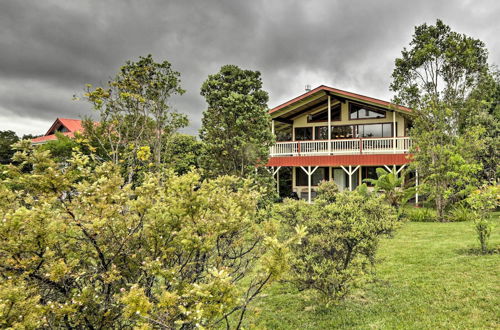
{"points": [[338, 251], [80, 248], [61, 148], [437, 77], [235, 132], [7, 139], [182, 153], [134, 112]]}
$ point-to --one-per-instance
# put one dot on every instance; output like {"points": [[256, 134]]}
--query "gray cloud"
{"points": [[50, 49]]}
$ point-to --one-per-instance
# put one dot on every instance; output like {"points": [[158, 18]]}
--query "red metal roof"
{"points": [[73, 126], [346, 160], [340, 92]]}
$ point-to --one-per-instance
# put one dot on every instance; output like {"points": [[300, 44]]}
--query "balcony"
{"points": [[360, 146]]}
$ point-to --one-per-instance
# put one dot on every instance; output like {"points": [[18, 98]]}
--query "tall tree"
{"points": [[134, 112], [437, 77], [235, 130], [7, 139]]}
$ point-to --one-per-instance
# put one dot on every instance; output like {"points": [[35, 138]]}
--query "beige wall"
{"points": [[301, 121]]}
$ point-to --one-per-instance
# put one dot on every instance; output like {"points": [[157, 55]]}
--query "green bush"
{"points": [[327, 191], [338, 251], [420, 214], [483, 202], [460, 213]]}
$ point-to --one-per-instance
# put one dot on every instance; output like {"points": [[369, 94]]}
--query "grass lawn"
{"points": [[428, 278]]}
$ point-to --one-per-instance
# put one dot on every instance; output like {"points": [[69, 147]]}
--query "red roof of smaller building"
{"points": [[72, 126]]}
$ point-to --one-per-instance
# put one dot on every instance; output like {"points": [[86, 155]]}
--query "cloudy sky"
{"points": [[50, 49]]}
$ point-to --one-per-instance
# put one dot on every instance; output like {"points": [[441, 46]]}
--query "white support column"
{"points": [[350, 172], [272, 126], [329, 125], [309, 173], [401, 168], [394, 132], [277, 173], [416, 187]]}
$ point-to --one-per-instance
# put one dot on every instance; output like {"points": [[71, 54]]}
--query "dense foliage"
{"points": [[81, 248], [7, 139], [338, 251], [236, 131]]}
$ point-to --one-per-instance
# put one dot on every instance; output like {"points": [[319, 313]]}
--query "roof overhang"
{"points": [[318, 98]]}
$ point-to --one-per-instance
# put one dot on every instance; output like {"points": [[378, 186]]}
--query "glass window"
{"points": [[323, 115], [357, 111], [303, 133], [342, 132], [374, 130], [369, 173], [321, 133], [319, 175]]}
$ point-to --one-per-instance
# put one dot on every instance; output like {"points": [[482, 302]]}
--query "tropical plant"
{"points": [[392, 186]]}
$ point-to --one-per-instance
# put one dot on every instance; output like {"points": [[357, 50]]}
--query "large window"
{"points": [[323, 115], [374, 130], [303, 133], [319, 175], [342, 132], [358, 111]]}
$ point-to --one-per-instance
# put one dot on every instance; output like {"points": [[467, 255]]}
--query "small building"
{"points": [[331, 134], [65, 126]]}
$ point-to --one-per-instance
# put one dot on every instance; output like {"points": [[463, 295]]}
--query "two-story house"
{"points": [[331, 134]]}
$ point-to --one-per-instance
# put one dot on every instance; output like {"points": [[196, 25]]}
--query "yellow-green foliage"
{"points": [[482, 202], [80, 248], [342, 236]]}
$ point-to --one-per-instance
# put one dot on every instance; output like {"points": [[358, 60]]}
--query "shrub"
{"points": [[420, 214], [483, 202], [338, 251], [92, 252], [459, 213], [327, 191]]}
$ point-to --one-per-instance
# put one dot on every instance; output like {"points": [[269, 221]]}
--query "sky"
{"points": [[50, 49]]}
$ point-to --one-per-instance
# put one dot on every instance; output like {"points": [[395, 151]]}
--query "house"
{"points": [[65, 126], [331, 134]]}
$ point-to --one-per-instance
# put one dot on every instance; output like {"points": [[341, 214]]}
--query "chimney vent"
{"points": [[308, 88]]}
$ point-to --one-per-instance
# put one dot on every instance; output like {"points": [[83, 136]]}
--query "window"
{"points": [[369, 173], [358, 111], [319, 175], [321, 133], [374, 130], [323, 115], [303, 133], [342, 132], [62, 129]]}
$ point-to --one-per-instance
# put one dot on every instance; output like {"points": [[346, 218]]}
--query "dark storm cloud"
{"points": [[50, 49]]}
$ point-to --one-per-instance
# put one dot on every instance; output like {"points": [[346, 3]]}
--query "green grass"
{"points": [[428, 277]]}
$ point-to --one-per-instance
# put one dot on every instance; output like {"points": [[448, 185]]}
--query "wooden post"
{"points": [[394, 133], [329, 125], [272, 126], [309, 184], [416, 187]]}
